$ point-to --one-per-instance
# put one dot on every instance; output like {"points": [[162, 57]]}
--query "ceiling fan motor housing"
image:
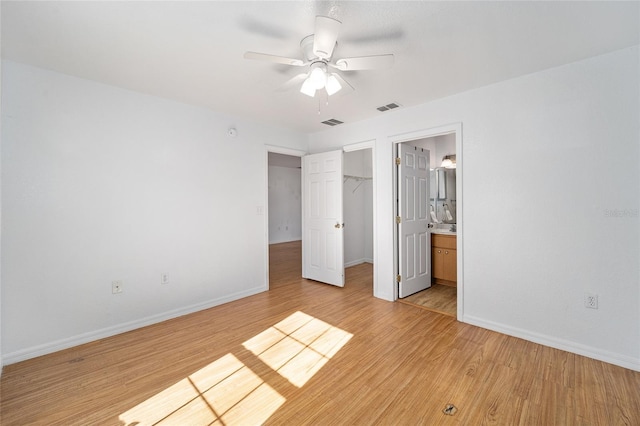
{"points": [[306, 45]]}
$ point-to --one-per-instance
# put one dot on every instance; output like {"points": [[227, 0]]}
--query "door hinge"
{"points": [[398, 161], [398, 219], [398, 278]]}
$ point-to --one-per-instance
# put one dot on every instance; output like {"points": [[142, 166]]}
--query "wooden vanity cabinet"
{"points": [[444, 268]]}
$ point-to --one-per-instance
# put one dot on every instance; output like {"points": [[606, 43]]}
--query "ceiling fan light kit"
{"points": [[317, 50], [318, 75], [308, 88], [333, 85], [319, 79]]}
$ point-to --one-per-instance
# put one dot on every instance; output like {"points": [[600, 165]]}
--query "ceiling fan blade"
{"points": [[325, 36], [292, 83], [365, 63], [273, 58]]}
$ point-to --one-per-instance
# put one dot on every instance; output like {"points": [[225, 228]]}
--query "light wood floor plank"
{"points": [[438, 298], [399, 365]]}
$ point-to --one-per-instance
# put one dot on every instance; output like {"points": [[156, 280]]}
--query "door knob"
{"points": [[338, 226]]}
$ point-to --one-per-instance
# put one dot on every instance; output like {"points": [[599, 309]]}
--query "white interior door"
{"points": [[414, 242], [322, 233]]}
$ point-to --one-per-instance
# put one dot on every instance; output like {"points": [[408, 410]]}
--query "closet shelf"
{"points": [[358, 179]]}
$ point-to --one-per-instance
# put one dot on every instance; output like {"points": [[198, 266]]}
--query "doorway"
{"points": [[283, 218], [284, 206], [444, 211], [358, 216], [358, 211]]}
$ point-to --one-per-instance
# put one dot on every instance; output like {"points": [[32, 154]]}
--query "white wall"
{"points": [[285, 204], [551, 201], [103, 184]]}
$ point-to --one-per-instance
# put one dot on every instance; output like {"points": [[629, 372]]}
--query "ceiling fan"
{"points": [[317, 50]]}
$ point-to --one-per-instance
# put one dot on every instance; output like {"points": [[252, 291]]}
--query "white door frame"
{"points": [[267, 150], [422, 134]]}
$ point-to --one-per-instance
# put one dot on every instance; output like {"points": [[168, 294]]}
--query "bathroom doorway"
{"points": [[444, 295]]}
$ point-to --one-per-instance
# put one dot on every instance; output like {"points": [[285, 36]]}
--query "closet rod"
{"points": [[358, 179]]}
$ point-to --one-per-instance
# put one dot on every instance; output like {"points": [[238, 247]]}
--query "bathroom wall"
{"points": [[438, 147]]}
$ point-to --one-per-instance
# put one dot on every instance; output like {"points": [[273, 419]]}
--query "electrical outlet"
{"points": [[164, 278], [591, 300], [116, 287]]}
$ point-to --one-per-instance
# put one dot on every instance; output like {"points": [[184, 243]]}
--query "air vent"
{"points": [[332, 122], [388, 107]]}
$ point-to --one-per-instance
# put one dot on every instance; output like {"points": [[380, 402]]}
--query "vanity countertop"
{"points": [[443, 232]]}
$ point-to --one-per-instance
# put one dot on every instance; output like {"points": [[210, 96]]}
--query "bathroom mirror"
{"points": [[443, 194]]}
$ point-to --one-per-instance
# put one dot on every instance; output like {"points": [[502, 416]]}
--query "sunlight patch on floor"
{"points": [[227, 392], [298, 346]]}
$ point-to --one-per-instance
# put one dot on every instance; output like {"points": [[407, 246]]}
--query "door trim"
{"points": [[427, 133]]}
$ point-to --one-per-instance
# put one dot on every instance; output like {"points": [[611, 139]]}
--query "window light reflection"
{"points": [[227, 392], [298, 346]]}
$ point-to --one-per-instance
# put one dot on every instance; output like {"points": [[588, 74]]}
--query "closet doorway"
{"points": [[284, 215], [358, 195]]}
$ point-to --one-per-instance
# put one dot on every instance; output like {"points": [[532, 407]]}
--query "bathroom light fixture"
{"points": [[449, 161], [318, 79]]}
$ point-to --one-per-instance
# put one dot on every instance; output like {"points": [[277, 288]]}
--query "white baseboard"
{"points": [[553, 342], [80, 339], [357, 262]]}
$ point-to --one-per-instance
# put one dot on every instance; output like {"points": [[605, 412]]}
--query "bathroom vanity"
{"points": [[444, 259]]}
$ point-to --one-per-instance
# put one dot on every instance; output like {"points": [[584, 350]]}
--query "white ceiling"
{"points": [[193, 51]]}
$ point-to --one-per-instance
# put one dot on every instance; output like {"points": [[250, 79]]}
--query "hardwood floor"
{"points": [[310, 353], [437, 298]]}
